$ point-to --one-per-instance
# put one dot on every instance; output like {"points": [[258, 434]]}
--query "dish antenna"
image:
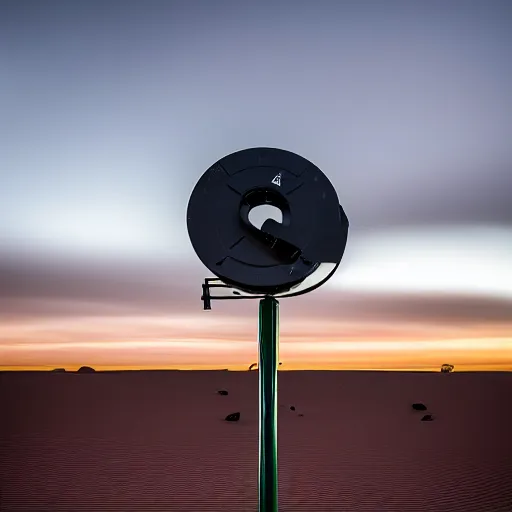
{"points": [[273, 260]]}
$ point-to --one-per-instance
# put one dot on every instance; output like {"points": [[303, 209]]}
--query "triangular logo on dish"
{"points": [[277, 180]]}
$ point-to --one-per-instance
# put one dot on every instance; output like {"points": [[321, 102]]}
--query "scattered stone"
{"points": [[292, 408], [86, 369], [300, 414], [222, 392], [427, 417], [419, 407], [233, 417]]}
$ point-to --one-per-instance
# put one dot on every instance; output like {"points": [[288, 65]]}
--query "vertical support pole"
{"points": [[267, 367]]}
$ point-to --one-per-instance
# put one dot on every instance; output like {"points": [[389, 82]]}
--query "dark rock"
{"points": [[59, 370], [222, 392], [419, 407], [255, 365], [301, 415], [427, 417], [86, 369], [233, 417], [292, 408]]}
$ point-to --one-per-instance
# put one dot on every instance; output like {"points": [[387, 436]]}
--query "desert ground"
{"points": [[158, 440]]}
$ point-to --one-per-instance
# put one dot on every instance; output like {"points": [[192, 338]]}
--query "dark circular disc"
{"points": [[277, 256]]}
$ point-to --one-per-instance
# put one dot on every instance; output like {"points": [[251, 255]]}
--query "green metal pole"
{"points": [[267, 367]]}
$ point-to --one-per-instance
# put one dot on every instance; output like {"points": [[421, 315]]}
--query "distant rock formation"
{"points": [[292, 408], [86, 369], [427, 417], [419, 407], [447, 368], [59, 370], [235, 416], [255, 365], [222, 392]]}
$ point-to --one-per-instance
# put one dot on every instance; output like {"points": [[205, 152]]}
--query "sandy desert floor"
{"points": [[157, 440]]}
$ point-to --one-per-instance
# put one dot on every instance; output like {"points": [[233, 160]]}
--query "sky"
{"points": [[110, 112]]}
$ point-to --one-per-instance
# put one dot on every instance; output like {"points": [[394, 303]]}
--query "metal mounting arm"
{"points": [[214, 282]]}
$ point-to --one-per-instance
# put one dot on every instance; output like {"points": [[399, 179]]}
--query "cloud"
{"points": [[37, 288], [435, 309], [465, 260], [57, 286]]}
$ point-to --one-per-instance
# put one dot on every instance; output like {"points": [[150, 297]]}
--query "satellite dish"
{"points": [[277, 258], [283, 257]]}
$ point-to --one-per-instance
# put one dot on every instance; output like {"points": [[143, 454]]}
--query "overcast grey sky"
{"points": [[110, 111]]}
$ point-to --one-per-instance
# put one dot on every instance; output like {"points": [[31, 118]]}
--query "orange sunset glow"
{"points": [[210, 340]]}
